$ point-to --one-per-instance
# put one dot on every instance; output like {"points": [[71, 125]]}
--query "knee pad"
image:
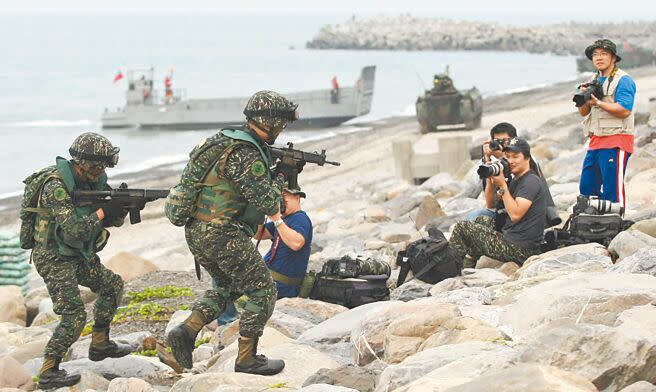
{"points": [[262, 301]]}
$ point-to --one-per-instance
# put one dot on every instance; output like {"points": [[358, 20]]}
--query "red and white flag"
{"points": [[118, 76]]}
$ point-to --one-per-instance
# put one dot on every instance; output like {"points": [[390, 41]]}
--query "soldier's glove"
{"points": [[281, 169], [113, 210]]}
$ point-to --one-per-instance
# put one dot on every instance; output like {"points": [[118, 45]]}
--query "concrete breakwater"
{"points": [[406, 32]]}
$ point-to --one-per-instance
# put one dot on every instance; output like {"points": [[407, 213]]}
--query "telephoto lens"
{"points": [[602, 206], [492, 169]]}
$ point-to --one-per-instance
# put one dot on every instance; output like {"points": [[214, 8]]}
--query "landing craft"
{"points": [[443, 108], [144, 108]]}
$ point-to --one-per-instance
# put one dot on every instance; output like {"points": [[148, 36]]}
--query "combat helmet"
{"points": [[271, 109], [93, 147]]}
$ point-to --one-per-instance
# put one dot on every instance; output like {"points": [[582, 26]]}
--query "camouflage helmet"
{"points": [[605, 44], [93, 147], [271, 109]]}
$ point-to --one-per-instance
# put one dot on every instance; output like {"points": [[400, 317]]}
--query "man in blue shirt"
{"points": [[609, 123], [291, 237]]}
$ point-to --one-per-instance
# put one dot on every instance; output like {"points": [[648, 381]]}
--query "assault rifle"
{"points": [[132, 200], [290, 162]]}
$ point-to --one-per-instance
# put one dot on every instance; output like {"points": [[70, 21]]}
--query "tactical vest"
{"points": [[46, 229], [218, 202], [601, 123]]}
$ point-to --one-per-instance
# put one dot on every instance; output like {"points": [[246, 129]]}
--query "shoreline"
{"points": [[167, 174]]}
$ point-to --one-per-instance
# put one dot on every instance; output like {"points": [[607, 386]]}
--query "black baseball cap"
{"points": [[518, 145]]}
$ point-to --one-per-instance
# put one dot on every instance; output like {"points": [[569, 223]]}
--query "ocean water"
{"points": [[57, 71]]}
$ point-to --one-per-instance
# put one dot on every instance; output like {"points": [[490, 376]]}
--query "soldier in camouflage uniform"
{"points": [[235, 196], [524, 218], [67, 238]]}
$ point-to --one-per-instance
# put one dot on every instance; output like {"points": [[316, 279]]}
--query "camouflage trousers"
{"points": [[478, 238], [62, 278], [229, 256]]}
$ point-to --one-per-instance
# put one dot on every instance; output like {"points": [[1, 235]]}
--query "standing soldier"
{"points": [[65, 239], [234, 192]]}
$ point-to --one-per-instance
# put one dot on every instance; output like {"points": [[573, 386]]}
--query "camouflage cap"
{"points": [[605, 44], [271, 109], [93, 147], [294, 191]]}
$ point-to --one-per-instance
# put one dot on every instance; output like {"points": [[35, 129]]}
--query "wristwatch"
{"points": [[501, 191], [278, 222]]}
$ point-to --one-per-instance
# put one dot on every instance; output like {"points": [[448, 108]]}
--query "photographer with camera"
{"points": [[500, 135], [520, 228], [607, 103]]}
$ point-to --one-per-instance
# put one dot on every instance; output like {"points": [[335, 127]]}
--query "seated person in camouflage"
{"points": [[67, 238], [291, 235], [525, 201], [235, 196]]}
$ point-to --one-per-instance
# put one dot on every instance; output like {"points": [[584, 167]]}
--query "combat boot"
{"points": [[51, 377], [182, 338], [249, 362], [101, 347]]}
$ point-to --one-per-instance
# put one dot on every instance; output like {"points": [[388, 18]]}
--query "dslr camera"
{"points": [[593, 87], [593, 205], [492, 169]]}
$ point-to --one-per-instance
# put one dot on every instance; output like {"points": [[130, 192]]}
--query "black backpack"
{"points": [[431, 260]]}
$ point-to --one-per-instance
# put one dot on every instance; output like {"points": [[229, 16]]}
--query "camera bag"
{"points": [[350, 292], [352, 282], [596, 228]]}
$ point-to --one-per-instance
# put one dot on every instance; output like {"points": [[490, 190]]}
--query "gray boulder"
{"points": [[568, 262], [130, 366], [647, 226], [461, 205], [485, 277], [361, 379], [628, 242], [326, 388], [613, 358], [527, 378], [339, 327], [288, 325], [590, 297], [641, 262], [466, 360], [464, 296], [640, 386], [80, 349], [411, 290]]}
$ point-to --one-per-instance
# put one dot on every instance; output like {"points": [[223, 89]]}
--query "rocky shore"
{"points": [[579, 318], [406, 32]]}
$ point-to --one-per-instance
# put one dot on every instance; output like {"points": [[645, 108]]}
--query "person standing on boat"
{"points": [[168, 86]]}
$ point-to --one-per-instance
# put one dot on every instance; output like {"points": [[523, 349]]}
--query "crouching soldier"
{"points": [[64, 239]]}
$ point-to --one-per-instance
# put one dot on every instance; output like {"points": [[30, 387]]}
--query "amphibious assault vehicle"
{"points": [[443, 108]]}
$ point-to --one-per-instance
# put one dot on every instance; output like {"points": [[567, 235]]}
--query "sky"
{"points": [[508, 11]]}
